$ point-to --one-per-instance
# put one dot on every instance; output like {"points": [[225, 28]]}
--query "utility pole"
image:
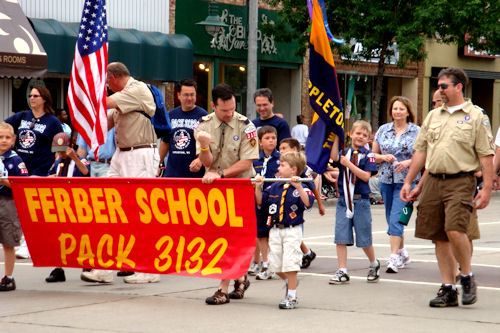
{"points": [[253, 9]]}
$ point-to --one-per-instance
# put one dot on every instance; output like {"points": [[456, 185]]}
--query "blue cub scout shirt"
{"points": [[293, 207]]}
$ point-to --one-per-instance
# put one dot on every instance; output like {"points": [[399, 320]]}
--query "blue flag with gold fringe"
{"points": [[324, 96]]}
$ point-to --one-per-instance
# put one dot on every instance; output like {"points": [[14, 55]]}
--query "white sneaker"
{"points": [[142, 278], [392, 264], [267, 274], [254, 269], [405, 260], [97, 275], [22, 251]]}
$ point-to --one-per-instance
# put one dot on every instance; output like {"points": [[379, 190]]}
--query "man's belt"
{"points": [[452, 175], [138, 147], [102, 160]]}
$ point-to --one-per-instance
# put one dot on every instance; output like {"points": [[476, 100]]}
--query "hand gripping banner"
{"points": [[151, 225]]}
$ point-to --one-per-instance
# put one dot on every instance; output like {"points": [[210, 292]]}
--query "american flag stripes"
{"points": [[87, 88]]}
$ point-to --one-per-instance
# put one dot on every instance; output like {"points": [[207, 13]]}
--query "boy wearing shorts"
{"points": [[267, 167], [285, 204], [353, 206], [10, 228]]}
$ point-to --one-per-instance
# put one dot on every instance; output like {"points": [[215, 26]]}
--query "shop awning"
{"points": [[148, 55], [21, 53]]}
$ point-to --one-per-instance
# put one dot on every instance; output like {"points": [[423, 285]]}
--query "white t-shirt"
{"points": [[300, 133]]}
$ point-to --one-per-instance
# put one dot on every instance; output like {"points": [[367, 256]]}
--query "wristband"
{"points": [[204, 149]]}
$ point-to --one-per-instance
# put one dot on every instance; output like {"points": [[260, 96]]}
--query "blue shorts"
{"points": [[361, 222], [393, 207], [262, 228]]}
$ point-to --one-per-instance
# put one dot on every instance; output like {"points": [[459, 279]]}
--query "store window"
{"points": [[202, 74], [235, 75]]}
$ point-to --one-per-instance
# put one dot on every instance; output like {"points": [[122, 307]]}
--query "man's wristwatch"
{"points": [[221, 173]]}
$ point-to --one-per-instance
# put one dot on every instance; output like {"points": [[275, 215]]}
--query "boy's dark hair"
{"points": [[293, 143], [299, 119], [266, 129], [263, 92], [223, 92], [457, 75], [187, 83]]}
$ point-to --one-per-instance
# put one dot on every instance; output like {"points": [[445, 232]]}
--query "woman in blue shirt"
{"points": [[393, 148]]}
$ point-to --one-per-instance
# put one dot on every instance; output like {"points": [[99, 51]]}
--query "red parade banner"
{"points": [[151, 225]]}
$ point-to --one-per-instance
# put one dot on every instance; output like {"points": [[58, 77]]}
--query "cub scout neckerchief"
{"points": [[350, 182]]}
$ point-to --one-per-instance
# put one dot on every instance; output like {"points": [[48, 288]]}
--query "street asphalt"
{"points": [[397, 303]]}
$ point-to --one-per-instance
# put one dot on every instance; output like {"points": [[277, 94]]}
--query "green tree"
{"points": [[379, 25]]}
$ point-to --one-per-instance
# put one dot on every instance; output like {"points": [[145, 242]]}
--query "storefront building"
{"points": [[138, 36], [222, 57]]}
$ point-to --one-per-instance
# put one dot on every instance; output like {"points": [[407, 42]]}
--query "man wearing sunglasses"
{"points": [[436, 99], [454, 142]]}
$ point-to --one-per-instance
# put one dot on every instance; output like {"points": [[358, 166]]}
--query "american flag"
{"points": [[87, 88]]}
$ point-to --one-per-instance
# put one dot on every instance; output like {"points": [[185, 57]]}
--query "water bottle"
{"points": [[404, 218]]}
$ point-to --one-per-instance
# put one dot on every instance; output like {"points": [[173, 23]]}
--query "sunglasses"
{"points": [[444, 86], [435, 102], [34, 96], [33, 122]]}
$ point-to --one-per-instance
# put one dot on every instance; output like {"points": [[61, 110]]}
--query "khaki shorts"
{"points": [[284, 249], [10, 228], [445, 205], [473, 229]]}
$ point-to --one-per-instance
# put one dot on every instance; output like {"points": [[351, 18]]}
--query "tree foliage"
{"points": [[408, 23]]}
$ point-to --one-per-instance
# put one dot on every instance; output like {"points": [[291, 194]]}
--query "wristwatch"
{"points": [[221, 173]]}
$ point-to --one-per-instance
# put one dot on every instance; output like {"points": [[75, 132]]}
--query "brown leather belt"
{"points": [[451, 176], [137, 147], [102, 160]]}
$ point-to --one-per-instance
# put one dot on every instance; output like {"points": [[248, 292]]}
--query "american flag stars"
{"points": [[93, 27]]}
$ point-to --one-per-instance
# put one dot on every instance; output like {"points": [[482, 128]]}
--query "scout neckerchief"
{"points": [[350, 182], [282, 202], [264, 166]]}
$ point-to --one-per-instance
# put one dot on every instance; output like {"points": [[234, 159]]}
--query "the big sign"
{"points": [[159, 225]]}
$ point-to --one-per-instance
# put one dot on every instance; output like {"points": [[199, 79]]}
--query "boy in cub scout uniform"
{"points": [[454, 142], [226, 143]]}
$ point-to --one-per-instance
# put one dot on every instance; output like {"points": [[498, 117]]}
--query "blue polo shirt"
{"points": [[366, 162], [15, 167], [279, 123], [106, 150], [293, 207]]}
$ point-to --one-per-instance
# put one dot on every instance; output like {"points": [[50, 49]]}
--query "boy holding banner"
{"points": [[285, 204], [353, 206], [10, 228]]}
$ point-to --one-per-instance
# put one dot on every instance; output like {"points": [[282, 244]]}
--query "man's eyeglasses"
{"points": [[33, 122], [444, 86], [34, 96]]}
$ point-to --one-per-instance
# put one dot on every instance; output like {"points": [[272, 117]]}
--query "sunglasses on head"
{"points": [[33, 122]]}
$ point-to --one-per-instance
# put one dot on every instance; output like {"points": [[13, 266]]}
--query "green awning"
{"points": [[148, 55]]}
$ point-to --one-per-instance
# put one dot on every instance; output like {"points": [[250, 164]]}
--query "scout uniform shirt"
{"points": [[284, 205], [234, 141], [14, 166], [133, 128], [454, 142]]}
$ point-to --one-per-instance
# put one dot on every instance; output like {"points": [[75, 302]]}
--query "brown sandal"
{"points": [[218, 298], [239, 288]]}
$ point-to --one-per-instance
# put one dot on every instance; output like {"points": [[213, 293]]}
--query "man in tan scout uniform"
{"points": [[136, 154], [454, 142], [226, 143]]}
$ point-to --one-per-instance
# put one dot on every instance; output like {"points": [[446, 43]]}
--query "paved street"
{"points": [[399, 302]]}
